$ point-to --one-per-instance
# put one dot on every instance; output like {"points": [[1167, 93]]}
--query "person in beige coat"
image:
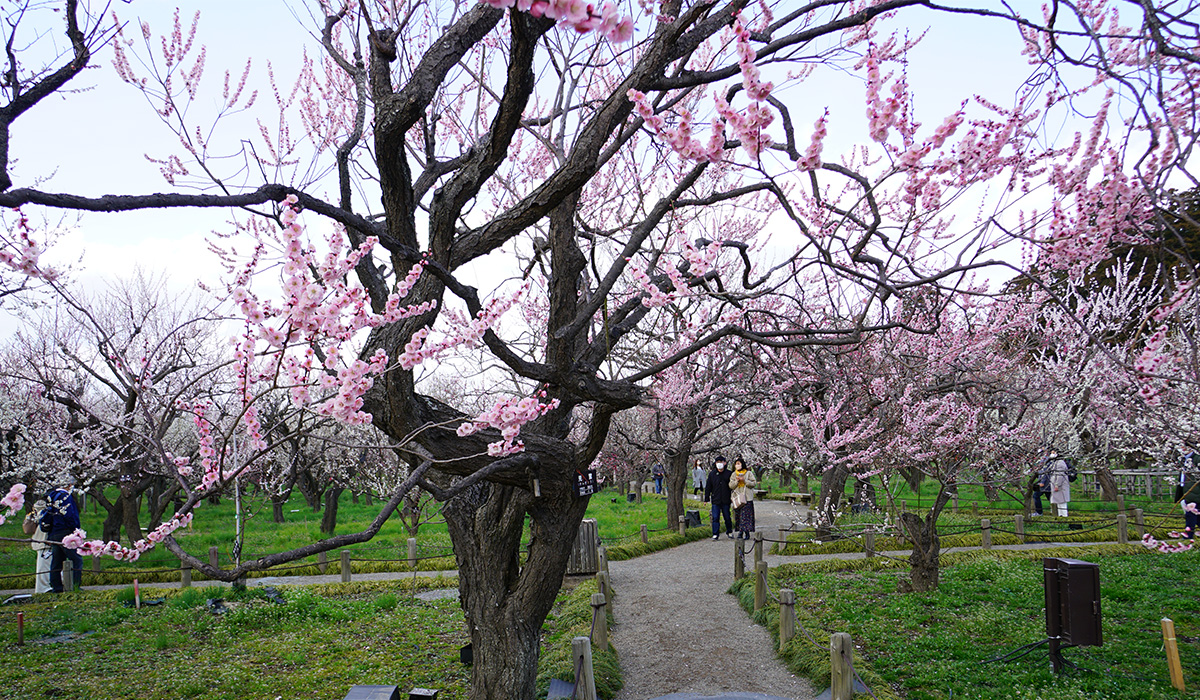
{"points": [[41, 580], [742, 483]]}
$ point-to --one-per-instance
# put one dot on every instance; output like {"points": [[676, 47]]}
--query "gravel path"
{"points": [[678, 631]]}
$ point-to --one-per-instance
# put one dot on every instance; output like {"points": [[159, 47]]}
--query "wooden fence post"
{"points": [[581, 649], [783, 535], [787, 616], [185, 575], [683, 526], [986, 524], [758, 547], [1122, 528], [68, 575], [955, 504], [214, 557], [760, 585], [841, 680], [869, 542], [322, 561], [345, 566], [1139, 521], [602, 554], [1172, 649], [95, 565], [1120, 503], [645, 535], [739, 564], [975, 508], [605, 583], [412, 552], [639, 492], [600, 614], [1019, 526]]}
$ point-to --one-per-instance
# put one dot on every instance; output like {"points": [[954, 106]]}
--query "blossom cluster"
{"points": [[320, 311], [1181, 543], [12, 501], [21, 254], [579, 15], [748, 126], [96, 548], [507, 416], [465, 333], [679, 137]]}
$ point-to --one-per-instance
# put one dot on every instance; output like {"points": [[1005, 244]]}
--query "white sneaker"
{"points": [[716, 537]]}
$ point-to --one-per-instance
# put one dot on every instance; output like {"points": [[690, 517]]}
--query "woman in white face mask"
{"points": [[741, 484], [716, 492]]}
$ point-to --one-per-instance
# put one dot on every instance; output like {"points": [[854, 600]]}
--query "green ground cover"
{"points": [[972, 494], [316, 644], [926, 646]]}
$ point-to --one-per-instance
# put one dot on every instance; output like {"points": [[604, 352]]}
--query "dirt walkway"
{"points": [[678, 631]]}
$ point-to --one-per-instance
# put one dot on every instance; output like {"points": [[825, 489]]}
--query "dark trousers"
{"points": [[717, 511], [1037, 501], [658, 484], [58, 553], [1192, 522]]}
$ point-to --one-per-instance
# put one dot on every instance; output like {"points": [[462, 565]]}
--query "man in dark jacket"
{"points": [[61, 518], [716, 492], [1187, 491]]}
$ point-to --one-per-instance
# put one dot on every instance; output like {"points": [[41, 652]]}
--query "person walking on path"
{"points": [[1187, 493], [659, 473], [61, 519], [698, 479], [1060, 483], [741, 485], [716, 492]]}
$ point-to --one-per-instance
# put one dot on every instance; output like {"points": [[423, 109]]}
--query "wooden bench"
{"points": [[804, 498]]}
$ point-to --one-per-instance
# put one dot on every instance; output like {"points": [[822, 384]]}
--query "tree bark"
{"points": [[833, 485], [504, 603], [677, 464], [329, 518], [926, 546]]}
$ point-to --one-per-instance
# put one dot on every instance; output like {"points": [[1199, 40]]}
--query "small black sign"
{"points": [[585, 483]]}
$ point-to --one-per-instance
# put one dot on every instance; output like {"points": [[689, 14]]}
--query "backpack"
{"points": [[61, 512], [1072, 472]]}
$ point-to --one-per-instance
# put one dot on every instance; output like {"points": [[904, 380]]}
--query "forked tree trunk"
{"points": [[833, 485], [505, 604], [926, 546]]}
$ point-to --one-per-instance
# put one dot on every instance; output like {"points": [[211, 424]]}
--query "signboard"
{"points": [[585, 483]]}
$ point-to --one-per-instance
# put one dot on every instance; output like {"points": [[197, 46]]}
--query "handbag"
{"points": [[739, 499]]}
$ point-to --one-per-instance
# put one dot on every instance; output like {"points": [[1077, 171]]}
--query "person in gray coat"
{"points": [[1060, 483]]}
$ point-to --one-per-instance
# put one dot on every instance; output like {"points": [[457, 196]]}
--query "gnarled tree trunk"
{"points": [[926, 546], [505, 603]]}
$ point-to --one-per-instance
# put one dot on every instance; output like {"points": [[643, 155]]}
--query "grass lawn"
{"points": [[316, 644], [939, 645]]}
